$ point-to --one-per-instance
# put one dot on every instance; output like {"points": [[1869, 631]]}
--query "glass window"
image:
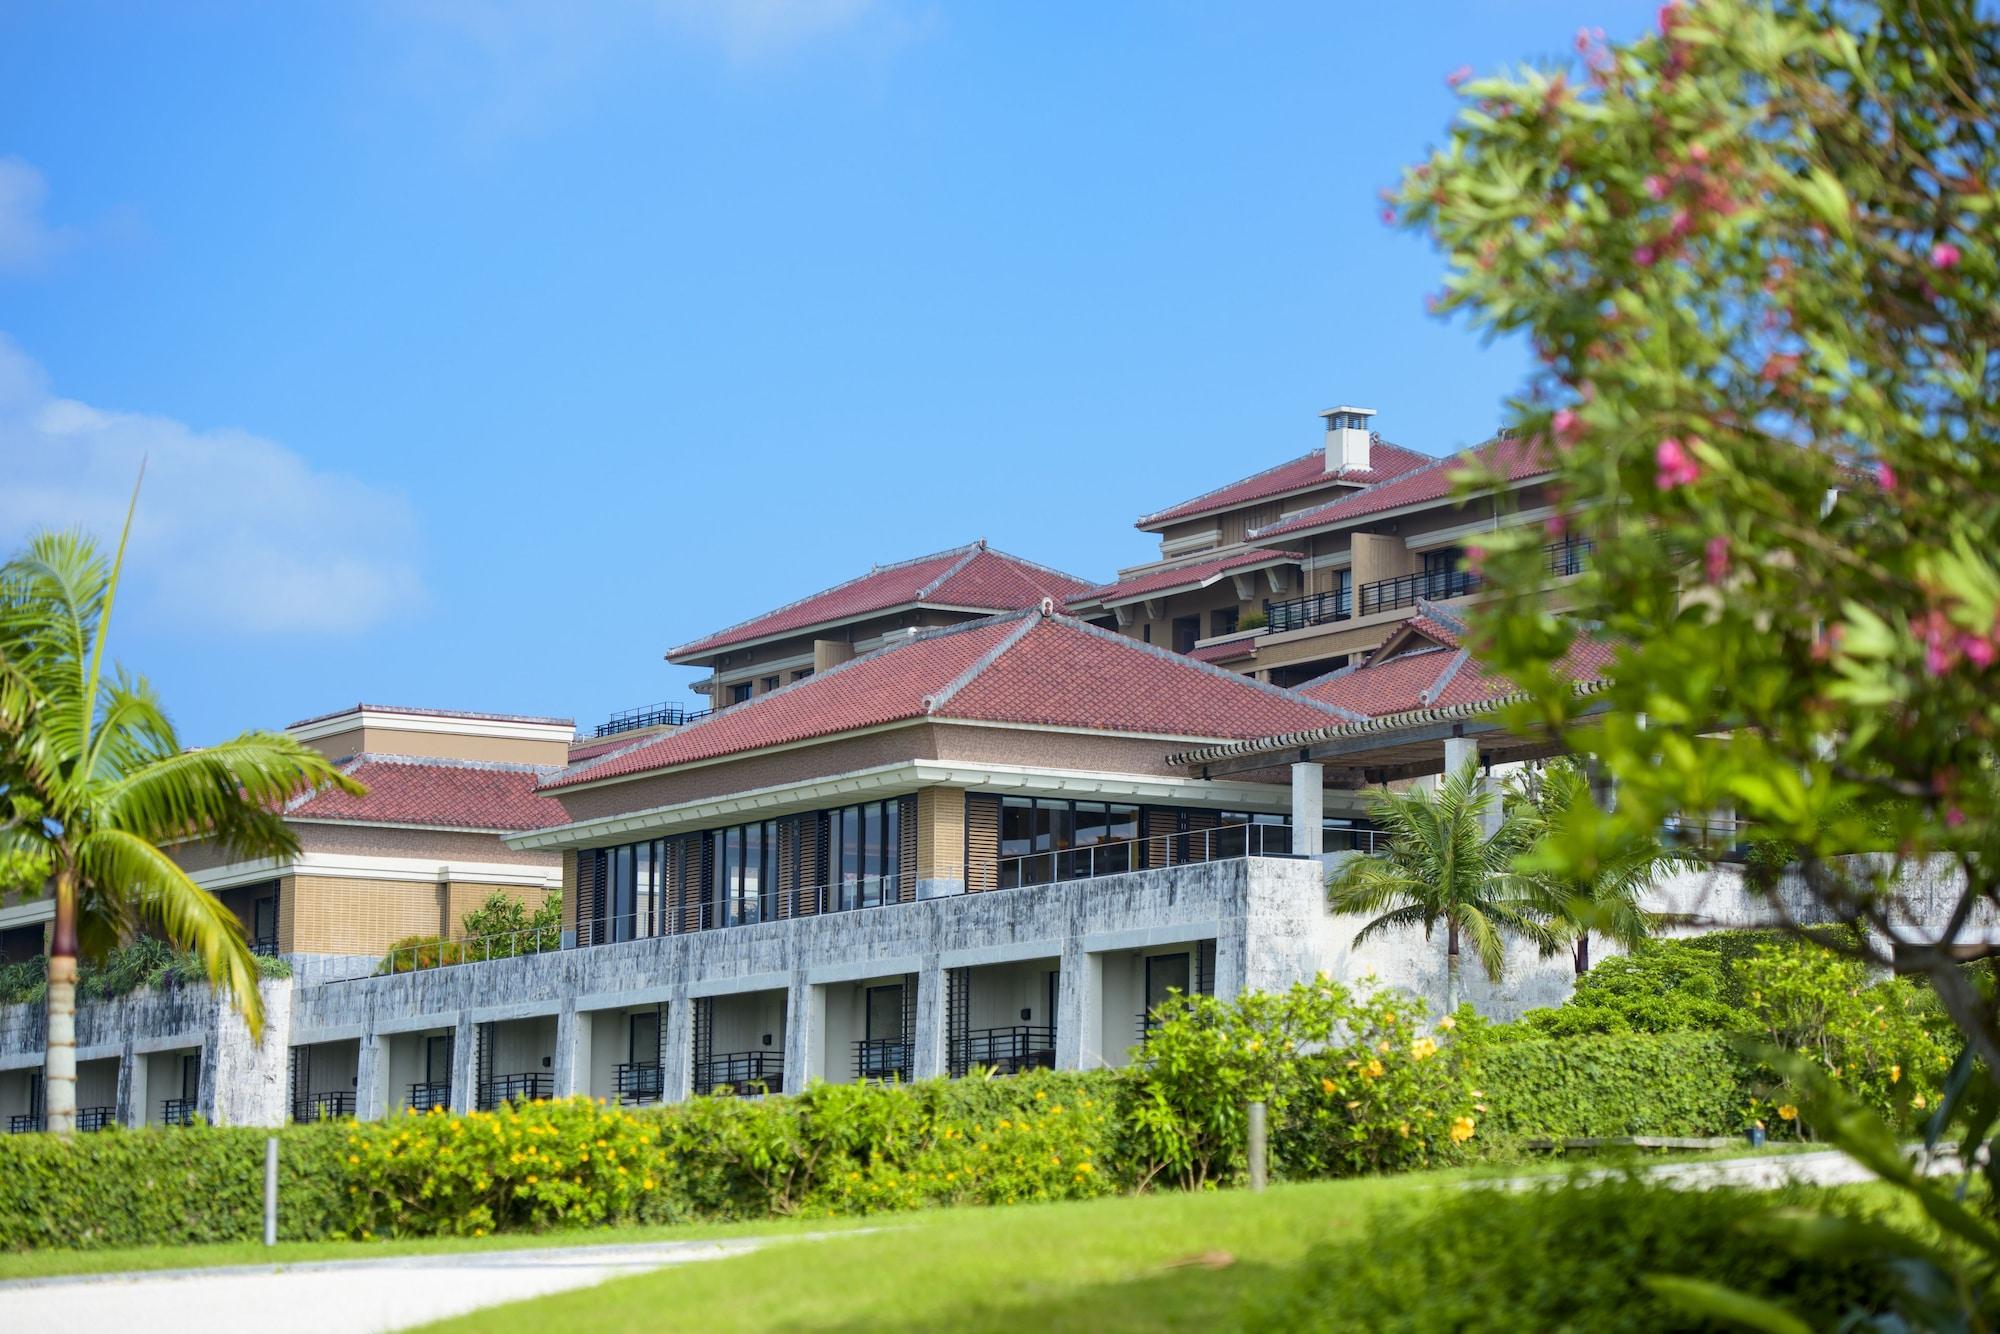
{"points": [[1187, 629], [621, 893], [770, 683], [739, 692], [1222, 621]]}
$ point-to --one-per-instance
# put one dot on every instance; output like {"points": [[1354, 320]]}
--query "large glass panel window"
{"points": [[1044, 839], [864, 858], [633, 893], [745, 887]]}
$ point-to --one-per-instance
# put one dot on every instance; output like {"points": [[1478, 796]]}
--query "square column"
{"points": [[802, 1022], [371, 1078], [1079, 1009], [1308, 808], [568, 1071], [677, 1051], [928, 1060], [464, 1064]]}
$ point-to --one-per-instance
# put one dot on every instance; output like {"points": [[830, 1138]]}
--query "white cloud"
{"points": [[26, 238], [234, 532]]}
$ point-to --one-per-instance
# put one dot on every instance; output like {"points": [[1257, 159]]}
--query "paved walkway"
{"points": [[336, 1297], [1821, 1167]]}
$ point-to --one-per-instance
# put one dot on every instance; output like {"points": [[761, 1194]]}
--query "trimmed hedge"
{"points": [[1679, 1084], [168, 1187]]}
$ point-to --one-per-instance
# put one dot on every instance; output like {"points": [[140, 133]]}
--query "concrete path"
{"points": [[337, 1297], [1827, 1167]]}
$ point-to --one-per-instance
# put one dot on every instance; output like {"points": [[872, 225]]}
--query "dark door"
{"points": [[190, 1077], [437, 1059], [264, 922], [885, 1013], [1165, 973], [643, 1039]]}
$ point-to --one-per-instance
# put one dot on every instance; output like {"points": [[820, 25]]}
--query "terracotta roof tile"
{"points": [[1019, 667], [1514, 458], [1198, 574], [1299, 474], [974, 576], [419, 790], [1428, 677]]}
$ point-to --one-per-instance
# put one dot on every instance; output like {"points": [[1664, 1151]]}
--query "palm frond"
{"points": [[232, 792]]}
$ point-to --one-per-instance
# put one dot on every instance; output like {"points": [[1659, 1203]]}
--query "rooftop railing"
{"points": [[650, 715]]}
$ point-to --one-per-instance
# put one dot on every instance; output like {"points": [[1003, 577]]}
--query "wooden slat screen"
{"points": [[906, 852], [982, 841]]}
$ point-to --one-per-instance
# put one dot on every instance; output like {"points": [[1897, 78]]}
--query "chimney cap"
{"points": [[1348, 409]]}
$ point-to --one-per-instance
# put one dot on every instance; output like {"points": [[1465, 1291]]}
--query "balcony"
{"points": [[87, 1119], [650, 715], [742, 1073], [177, 1112], [435, 1093], [1298, 613], [774, 905], [1406, 590], [514, 1088], [1009, 1050], [882, 1059], [24, 1125], [634, 1082], [323, 1107]]}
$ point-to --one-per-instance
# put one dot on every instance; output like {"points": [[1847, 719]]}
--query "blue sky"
{"points": [[483, 351]]}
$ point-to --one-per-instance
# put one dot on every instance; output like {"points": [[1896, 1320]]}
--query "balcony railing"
{"points": [[96, 1118], [637, 1083], [323, 1107], [24, 1125], [1222, 843], [650, 715], [1405, 590], [177, 1112], [1298, 613], [266, 947], [772, 905], [1010, 1050], [743, 1073], [435, 1093], [475, 949], [882, 1059], [515, 1088]]}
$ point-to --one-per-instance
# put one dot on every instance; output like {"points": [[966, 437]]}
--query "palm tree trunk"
{"points": [[59, 1060], [1451, 967], [1582, 953]]}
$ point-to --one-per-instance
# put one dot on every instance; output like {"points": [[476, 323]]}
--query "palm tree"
{"points": [[1601, 890], [1444, 865], [96, 783]]}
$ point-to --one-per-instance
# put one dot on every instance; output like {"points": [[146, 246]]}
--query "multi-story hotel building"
{"points": [[960, 811]]}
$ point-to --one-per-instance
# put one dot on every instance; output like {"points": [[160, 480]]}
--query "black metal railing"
{"points": [[1010, 1050], [515, 1088], [638, 1083], [267, 948], [96, 1118], [24, 1125], [1569, 556], [1298, 613], [323, 1107], [1222, 843], [177, 1112], [743, 1073], [436, 1093], [882, 1059], [650, 715], [1405, 590]]}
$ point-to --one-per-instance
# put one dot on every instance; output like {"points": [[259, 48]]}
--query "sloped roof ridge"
{"points": [[992, 550], [1436, 689], [933, 703], [574, 772], [1220, 673], [971, 555], [1353, 497], [1443, 615], [872, 571], [451, 762], [1145, 519]]}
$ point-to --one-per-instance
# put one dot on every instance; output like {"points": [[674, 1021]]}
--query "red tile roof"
{"points": [[1514, 459], [974, 576], [1200, 574], [1408, 673], [1020, 667], [1225, 651], [417, 790], [1299, 474]]}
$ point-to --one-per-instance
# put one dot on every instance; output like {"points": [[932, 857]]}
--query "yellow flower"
{"points": [[352, 1160], [1895, 1074], [1461, 1130], [1326, 1085], [1423, 1049], [1403, 1129], [1788, 1112], [1383, 1046], [532, 1178], [1039, 1095], [1373, 1070], [1447, 1023], [1918, 1102]]}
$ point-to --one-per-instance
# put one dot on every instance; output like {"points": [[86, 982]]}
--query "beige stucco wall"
{"points": [[336, 915], [427, 844], [446, 745]]}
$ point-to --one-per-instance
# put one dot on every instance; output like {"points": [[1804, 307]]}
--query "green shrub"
{"points": [[24, 983], [1571, 1257], [168, 1187], [1675, 1084], [146, 962], [1661, 987]]}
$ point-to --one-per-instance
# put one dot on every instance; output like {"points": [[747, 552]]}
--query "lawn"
{"points": [[1151, 1262]]}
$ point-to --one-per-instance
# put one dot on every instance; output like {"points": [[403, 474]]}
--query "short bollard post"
{"points": [[1259, 1148], [271, 1191]]}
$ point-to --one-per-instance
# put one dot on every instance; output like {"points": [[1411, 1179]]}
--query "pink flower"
{"points": [[1475, 559], [1458, 76], [1644, 256], [1656, 187], [1979, 652], [1945, 255], [1680, 224], [1676, 466], [1954, 817], [1556, 525], [1718, 558], [1885, 476], [1388, 217], [1668, 14], [1699, 152], [1565, 426]]}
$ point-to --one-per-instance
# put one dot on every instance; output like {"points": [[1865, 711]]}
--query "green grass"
{"points": [[1150, 1262], [51, 1264]]}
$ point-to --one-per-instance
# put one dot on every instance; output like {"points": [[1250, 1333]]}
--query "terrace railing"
{"points": [[96, 1118], [1312, 609], [649, 715], [24, 1125], [635, 1082], [434, 1093], [1010, 1050], [323, 1107], [1405, 590], [743, 1073], [882, 1059], [177, 1111], [515, 1088], [1222, 843]]}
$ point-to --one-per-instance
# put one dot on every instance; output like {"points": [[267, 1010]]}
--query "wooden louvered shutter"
{"points": [[1159, 825], [701, 872], [1192, 847], [812, 861], [589, 895], [906, 850], [982, 841]]}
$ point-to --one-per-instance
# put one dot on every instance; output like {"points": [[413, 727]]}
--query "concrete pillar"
{"points": [[1080, 1009], [371, 1078], [1460, 751], [802, 1024], [464, 1064], [1232, 964], [1308, 808], [677, 1051], [131, 1088], [567, 1075], [928, 1060]]}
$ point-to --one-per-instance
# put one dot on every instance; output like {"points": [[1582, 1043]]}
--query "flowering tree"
{"points": [[1755, 252]]}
